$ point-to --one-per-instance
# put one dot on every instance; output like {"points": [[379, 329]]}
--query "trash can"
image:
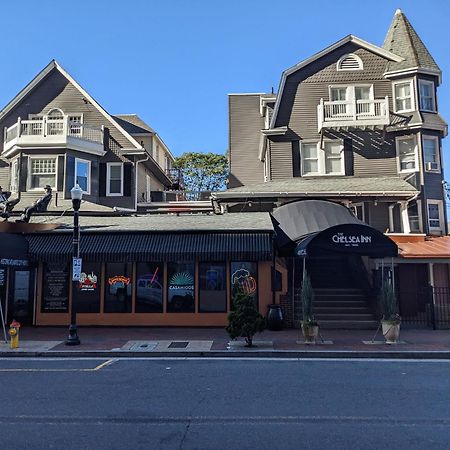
{"points": [[274, 317]]}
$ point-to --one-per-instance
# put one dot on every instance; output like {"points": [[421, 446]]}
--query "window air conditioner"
{"points": [[432, 166]]}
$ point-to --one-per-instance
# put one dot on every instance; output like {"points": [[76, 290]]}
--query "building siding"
{"points": [[245, 125]]}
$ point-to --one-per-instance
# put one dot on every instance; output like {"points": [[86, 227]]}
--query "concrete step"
{"points": [[332, 290], [341, 310], [339, 298], [340, 303], [344, 316], [348, 325]]}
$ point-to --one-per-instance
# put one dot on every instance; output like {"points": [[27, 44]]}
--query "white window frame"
{"points": [[438, 153], [30, 166], [321, 163], [108, 179], [88, 192], [394, 98], [354, 207], [350, 90], [439, 203], [358, 59], [416, 154], [15, 181], [433, 96]]}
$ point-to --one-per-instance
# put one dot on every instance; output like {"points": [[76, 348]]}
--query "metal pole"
{"points": [[73, 332]]}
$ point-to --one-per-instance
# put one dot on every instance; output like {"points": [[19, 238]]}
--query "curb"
{"points": [[290, 354]]}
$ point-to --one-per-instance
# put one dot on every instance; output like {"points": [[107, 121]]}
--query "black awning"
{"points": [[13, 250], [137, 247], [348, 238]]}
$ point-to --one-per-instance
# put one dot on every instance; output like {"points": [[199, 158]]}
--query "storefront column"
{"points": [[431, 278], [405, 219]]}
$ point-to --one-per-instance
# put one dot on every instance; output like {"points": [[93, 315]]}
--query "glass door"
{"points": [[21, 295]]}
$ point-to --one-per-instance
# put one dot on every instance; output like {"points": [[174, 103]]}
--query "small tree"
{"points": [[307, 297], [245, 320], [389, 304]]}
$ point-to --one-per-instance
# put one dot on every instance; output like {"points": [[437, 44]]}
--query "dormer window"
{"points": [[349, 62], [426, 92]]}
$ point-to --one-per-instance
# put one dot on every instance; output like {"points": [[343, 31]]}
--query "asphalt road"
{"points": [[224, 404]]}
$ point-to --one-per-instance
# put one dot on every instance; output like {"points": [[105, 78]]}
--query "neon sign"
{"points": [[119, 279], [243, 281], [88, 282]]}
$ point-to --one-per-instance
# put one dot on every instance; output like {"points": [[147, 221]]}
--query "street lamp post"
{"points": [[77, 194]]}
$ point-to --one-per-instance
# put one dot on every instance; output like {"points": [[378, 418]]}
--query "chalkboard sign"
{"points": [[56, 288]]}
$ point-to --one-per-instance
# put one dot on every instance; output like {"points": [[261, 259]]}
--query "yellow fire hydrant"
{"points": [[14, 333]]}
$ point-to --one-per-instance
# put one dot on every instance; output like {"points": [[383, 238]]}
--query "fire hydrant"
{"points": [[14, 333]]}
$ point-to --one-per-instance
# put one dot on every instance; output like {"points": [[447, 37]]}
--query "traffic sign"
{"points": [[76, 269]]}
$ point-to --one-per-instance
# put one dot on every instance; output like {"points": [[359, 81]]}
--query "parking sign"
{"points": [[76, 269]]}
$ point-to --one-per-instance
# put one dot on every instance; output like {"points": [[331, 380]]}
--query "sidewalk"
{"points": [[214, 342]]}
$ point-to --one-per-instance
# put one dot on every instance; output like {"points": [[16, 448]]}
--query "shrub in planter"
{"points": [[245, 320], [310, 327], [390, 321]]}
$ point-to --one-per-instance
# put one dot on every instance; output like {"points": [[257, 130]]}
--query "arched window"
{"points": [[55, 124], [55, 114], [350, 62]]}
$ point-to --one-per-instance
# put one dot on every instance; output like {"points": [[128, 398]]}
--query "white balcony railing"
{"points": [[48, 131], [356, 113]]}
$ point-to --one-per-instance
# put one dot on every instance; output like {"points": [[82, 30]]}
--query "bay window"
{"points": [[431, 153], [403, 96], [42, 173], [407, 154], [426, 93]]}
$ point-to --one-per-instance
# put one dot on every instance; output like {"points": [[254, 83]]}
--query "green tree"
{"points": [[202, 172], [244, 320]]}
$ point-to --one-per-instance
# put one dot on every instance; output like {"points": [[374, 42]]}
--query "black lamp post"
{"points": [[77, 194]]}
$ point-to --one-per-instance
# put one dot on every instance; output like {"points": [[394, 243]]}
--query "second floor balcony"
{"points": [[353, 113], [53, 133]]}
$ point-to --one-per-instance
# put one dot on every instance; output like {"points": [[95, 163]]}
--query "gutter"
{"points": [[224, 196]]}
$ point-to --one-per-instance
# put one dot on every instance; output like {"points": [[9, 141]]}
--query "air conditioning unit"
{"points": [[432, 166]]}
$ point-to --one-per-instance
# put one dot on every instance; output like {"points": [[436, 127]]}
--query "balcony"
{"points": [[355, 113], [53, 133]]}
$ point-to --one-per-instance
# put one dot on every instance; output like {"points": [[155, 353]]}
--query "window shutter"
{"points": [[23, 174], [296, 160], [102, 180], [127, 179], [348, 156], [60, 174]]}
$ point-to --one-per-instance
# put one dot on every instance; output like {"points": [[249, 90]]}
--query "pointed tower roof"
{"points": [[403, 40]]}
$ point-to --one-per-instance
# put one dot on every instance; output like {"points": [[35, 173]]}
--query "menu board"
{"points": [[56, 288]]}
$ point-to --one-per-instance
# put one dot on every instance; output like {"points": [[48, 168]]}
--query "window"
{"points": [[349, 62], [83, 174], [345, 97], [87, 293], [55, 122], [181, 287], [426, 93], [149, 287], [14, 185], [326, 161], [407, 154], [118, 287], [114, 176], [434, 214], [431, 153], [358, 211], [310, 160], [414, 216], [42, 173], [338, 94], [403, 96], [75, 121], [244, 279], [213, 291]]}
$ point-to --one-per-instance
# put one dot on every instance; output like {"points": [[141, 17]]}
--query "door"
{"points": [[21, 295]]}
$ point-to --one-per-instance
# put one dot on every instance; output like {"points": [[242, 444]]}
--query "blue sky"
{"points": [[173, 62]]}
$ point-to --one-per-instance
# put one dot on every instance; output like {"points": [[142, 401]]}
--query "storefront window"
{"points": [[149, 287], [213, 291], [55, 288], [118, 288], [87, 293], [244, 278], [181, 287]]}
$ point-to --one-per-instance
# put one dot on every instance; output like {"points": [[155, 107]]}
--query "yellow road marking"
{"points": [[95, 369]]}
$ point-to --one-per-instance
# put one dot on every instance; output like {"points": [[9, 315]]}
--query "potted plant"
{"points": [[245, 320], [310, 327], [390, 321]]}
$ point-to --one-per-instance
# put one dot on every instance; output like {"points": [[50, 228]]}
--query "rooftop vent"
{"points": [[350, 62]]}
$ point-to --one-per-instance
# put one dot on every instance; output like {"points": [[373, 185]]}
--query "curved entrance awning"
{"points": [[311, 227], [348, 238]]}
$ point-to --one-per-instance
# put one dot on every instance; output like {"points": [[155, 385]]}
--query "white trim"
{"points": [[433, 95], [440, 228], [88, 192], [29, 173], [108, 179], [41, 75], [416, 153], [350, 38], [321, 159], [413, 71], [438, 153], [412, 95], [12, 187], [349, 55], [148, 187], [354, 208]]}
